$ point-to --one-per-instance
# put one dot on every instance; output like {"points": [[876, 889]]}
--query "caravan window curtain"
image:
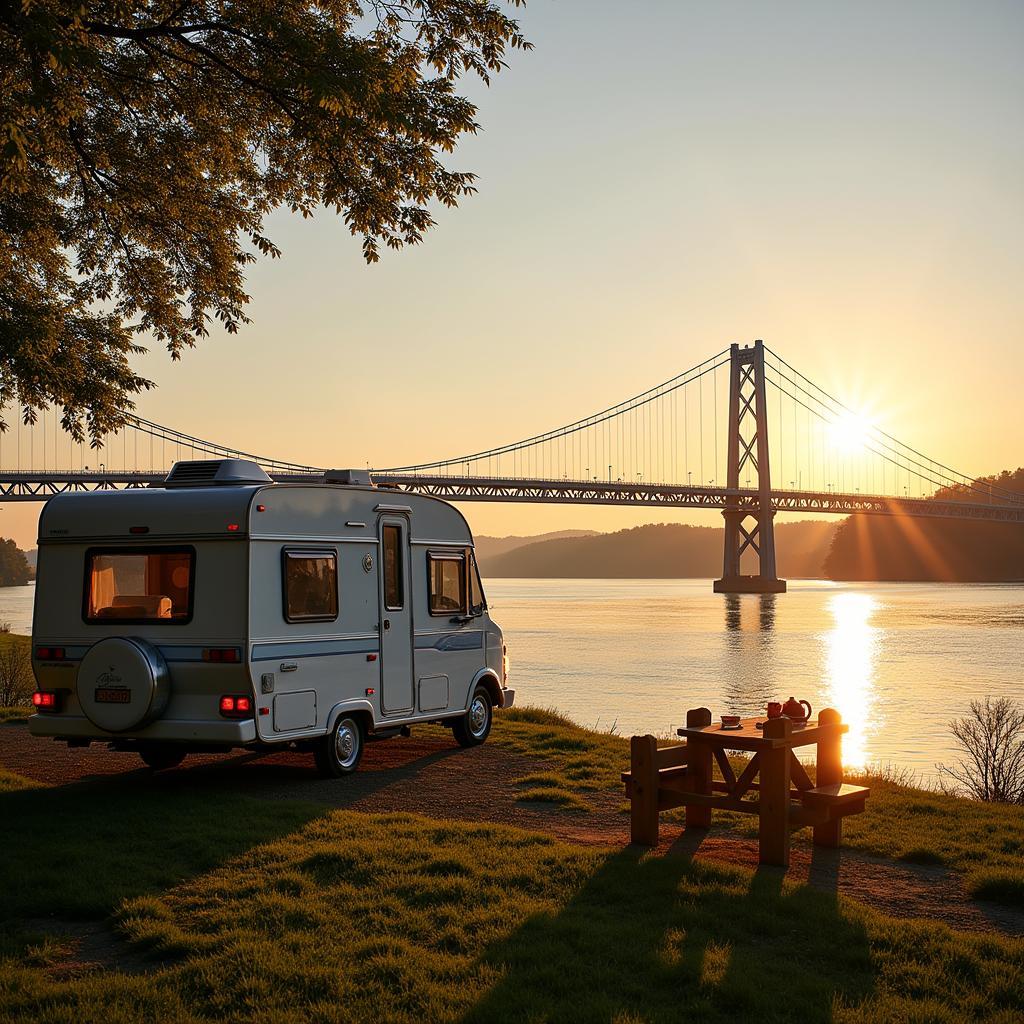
{"points": [[139, 585]]}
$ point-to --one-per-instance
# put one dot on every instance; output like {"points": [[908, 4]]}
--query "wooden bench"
{"points": [[840, 798], [652, 770]]}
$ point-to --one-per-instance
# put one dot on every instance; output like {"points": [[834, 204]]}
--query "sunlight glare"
{"points": [[852, 647], [850, 432]]}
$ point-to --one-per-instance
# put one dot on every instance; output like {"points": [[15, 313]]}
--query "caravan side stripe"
{"points": [[470, 640], [311, 649]]}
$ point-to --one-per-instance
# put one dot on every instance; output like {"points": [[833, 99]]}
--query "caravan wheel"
{"points": [[474, 726], [161, 756], [340, 750]]}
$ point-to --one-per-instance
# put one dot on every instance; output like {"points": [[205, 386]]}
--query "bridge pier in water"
{"points": [[747, 405]]}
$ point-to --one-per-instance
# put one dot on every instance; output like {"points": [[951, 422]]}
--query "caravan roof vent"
{"points": [[215, 473], [351, 477]]}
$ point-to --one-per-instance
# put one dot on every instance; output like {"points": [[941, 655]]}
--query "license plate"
{"points": [[113, 695]]}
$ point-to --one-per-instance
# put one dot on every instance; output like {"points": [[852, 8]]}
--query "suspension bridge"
{"points": [[743, 432]]}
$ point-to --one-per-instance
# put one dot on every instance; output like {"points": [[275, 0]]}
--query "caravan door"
{"points": [[396, 689]]}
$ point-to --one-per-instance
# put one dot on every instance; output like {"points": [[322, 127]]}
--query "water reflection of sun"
{"points": [[851, 654]]}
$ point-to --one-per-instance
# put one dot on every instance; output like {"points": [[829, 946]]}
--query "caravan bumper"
{"points": [[508, 697], [226, 732]]}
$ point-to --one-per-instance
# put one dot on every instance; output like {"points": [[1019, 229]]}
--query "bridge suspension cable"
{"points": [[876, 442], [120, 452], [155, 430], [638, 437]]}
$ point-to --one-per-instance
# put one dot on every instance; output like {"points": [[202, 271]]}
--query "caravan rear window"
{"points": [[139, 585]]}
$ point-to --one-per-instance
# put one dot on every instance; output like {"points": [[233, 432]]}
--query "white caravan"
{"points": [[223, 610]]}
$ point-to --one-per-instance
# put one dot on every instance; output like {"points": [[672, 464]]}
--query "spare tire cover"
{"points": [[123, 683]]}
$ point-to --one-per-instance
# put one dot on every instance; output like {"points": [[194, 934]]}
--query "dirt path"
{"points": [[427, 774]]}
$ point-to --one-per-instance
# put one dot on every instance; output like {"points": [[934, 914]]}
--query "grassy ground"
{"points": [[9, 782], [200, 904], [1000, 885], [578, 761], [362, 917]]}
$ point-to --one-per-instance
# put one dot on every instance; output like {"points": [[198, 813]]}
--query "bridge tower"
{"points": [[747, 407]]}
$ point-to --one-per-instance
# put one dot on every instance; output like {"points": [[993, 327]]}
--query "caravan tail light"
{"points": [[45, 700], [50, 653], [504, 664], [222, 655], [236, 705]]}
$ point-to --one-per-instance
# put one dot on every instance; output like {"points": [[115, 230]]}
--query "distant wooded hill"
{"points": [[857, 548], [664, 551], [945, 550], [488, 548]]}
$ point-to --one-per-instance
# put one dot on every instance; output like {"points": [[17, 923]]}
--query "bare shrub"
{"points": [[5, 627], [891, 774], [992, 736], [16, 679]]}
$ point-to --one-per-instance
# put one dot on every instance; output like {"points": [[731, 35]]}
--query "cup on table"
{"points": [[774, 709], [730, 721]]}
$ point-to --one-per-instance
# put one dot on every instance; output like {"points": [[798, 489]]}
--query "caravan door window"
{"points": [[139, 585], [447, 580], [394, 599], [310, 585]]}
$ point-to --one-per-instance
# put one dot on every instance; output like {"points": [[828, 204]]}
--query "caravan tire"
{"points": [[475, 725], [339, 752], [161, 756]]}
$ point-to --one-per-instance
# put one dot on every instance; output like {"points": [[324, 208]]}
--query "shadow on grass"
{"points": [[76, 851], [385, 765], [670, 938]]}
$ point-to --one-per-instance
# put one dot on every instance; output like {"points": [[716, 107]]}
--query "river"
{"points": [[897, 660]]}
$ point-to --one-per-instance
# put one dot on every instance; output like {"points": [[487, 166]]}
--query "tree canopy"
{"points": [[144, 144], [14, 567]]}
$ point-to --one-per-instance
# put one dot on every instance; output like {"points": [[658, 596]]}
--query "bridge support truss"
{"points": [[747, 408]]}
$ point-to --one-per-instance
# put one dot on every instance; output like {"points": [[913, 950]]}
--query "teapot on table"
{"points": [[794, 710]]}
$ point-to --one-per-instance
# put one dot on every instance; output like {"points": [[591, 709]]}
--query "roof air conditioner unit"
{"points": [[348, 477], [216, 473]]}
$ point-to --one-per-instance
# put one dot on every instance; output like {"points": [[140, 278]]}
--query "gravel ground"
{"points": [[428, 774]]}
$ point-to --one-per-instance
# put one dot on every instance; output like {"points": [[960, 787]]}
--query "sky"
{"points": [[657, 180]]}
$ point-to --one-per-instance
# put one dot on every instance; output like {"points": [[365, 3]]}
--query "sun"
{"points": [[850, 432]]}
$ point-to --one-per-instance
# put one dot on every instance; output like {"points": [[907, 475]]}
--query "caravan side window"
{"points": [[310, 585], [446, 574], [477, 601]]}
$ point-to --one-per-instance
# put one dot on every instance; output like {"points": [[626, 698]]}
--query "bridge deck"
{"points": [[40, 486]]}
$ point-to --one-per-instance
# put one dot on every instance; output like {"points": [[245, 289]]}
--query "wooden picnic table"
{"points": [[783, 797]]}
